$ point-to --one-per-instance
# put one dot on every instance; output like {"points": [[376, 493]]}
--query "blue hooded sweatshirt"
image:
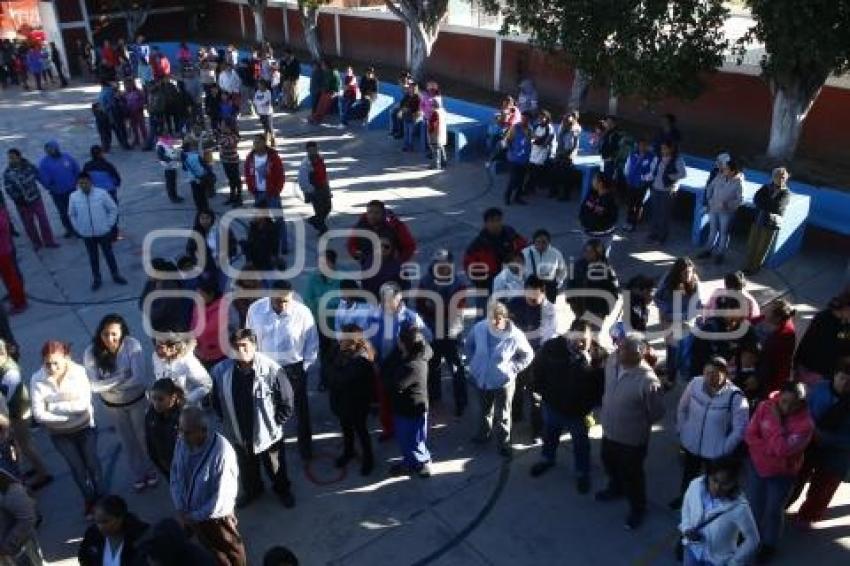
{"points": [[58, 174]]}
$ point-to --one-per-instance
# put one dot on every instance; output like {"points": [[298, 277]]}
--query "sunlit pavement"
{"points": [[476, 509]]}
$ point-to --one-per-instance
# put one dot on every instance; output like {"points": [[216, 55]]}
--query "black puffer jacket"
{"points": [[350, 383], [406, 381], [566, 379], [161, 436]]}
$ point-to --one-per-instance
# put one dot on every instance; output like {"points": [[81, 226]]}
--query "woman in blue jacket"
{"points": [[518, 143]]}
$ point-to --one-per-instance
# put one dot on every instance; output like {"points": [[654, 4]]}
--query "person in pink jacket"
{"points": [[208, 348], [777, 437]]}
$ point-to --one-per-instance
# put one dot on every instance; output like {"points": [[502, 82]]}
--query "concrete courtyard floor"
{"points": [[476, 509]]}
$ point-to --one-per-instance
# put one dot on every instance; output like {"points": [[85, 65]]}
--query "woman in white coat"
{"points": [[715, 516], [175, 359], [61, 403]]}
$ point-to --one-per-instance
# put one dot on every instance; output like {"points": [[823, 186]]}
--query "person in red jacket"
{"points": [[383, 223], [9, 271], [487, 253], [108, 55], [264, 174], [774, 366], [777, 437]]}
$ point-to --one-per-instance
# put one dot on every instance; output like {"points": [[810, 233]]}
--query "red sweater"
{"points": [[275, 176], [391, 226], [777, 354]]}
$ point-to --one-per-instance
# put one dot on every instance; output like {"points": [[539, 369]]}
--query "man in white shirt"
{"points": [[263, 106], [286, 332], [230, 83]]}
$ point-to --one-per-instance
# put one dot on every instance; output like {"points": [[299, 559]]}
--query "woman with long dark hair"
{"points": [[350, 376], [213, 238], [678, 302], [116, 369], [61, 403]]}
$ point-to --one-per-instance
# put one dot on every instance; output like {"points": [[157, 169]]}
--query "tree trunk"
{"points": [[791, 104], [259, 24], [310, 23], [421, 42], [578, 93], [133, 24]]}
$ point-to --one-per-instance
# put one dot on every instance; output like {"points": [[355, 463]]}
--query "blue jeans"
{"points": [[689, 559], [554, 424], [79, 449], [767, 497], [411, 129], [411, 434]]}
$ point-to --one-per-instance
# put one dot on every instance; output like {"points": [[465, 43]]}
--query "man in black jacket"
{"points": [[770, 201], [568, 374]]}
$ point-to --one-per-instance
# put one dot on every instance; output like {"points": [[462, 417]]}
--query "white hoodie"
{"points": [[187, 372]]}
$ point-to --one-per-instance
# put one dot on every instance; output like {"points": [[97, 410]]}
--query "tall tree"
{"points": [[423, 19], [644, 48], [309, 11], [805, 43], [258, 8]]}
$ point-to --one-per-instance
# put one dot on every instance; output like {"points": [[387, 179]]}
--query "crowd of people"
{"points": [[31, 63], [207, 413]]}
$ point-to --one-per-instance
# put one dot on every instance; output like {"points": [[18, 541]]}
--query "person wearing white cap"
{"points": [[723, 196]]}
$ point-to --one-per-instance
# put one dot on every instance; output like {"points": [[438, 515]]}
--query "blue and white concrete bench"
{"points": [[790, 236]]}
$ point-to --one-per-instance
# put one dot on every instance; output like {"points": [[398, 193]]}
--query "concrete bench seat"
{"points": [[790, 236]]}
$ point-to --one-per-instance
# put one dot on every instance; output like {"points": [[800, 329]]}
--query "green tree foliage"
{"points": [[805, 42], [645, 48]]}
